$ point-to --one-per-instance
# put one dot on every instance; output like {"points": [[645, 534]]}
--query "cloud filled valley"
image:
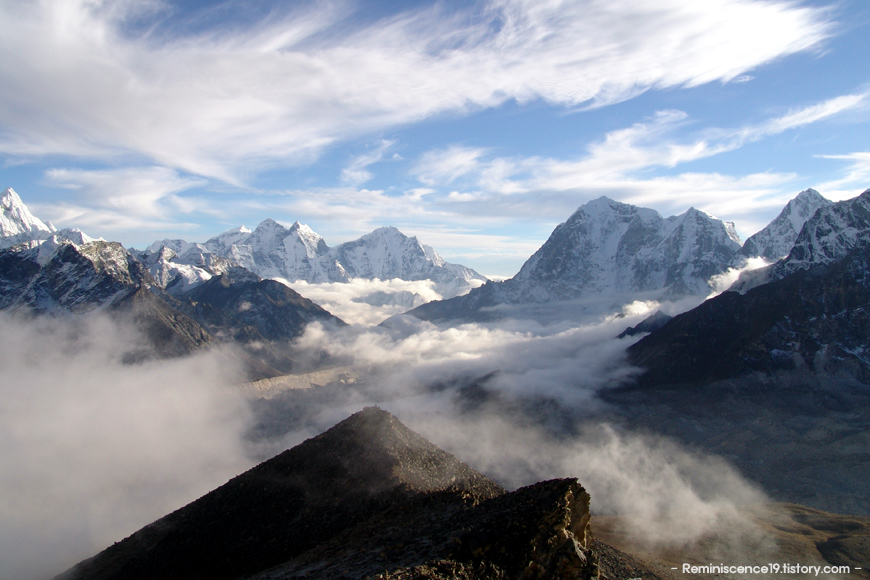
{"points": [[96, 448], [136, 381]]}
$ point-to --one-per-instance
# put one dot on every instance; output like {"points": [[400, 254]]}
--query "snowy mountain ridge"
{"points": [[608, 246], [610, 249], [298, 253], [828, 236], [17, 224], [777, 238]]}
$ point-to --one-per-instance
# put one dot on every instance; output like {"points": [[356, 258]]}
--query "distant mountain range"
{"points": [[606, 249], [67, 272], [189, 294], [613, 250], [298, 253]]}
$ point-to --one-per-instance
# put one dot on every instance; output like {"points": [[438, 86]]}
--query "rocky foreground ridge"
{"points": [[368, 498]]}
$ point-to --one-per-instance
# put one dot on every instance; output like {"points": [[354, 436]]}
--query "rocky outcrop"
{"points": [[368, 498]]}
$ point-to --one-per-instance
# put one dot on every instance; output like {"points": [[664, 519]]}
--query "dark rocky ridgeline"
{"points": [[775, 380], [239, 299], [367, 499], [649, 324], [815, 320]]}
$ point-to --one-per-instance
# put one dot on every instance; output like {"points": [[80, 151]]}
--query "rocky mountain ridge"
{"points": [[776, 239], [368, 498], [810, 314], [68, 273]]}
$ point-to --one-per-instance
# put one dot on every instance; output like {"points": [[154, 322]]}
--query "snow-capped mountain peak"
{"points": [[826, 237], [608, 246], [17, 224], [299, 253], [777, 238]]}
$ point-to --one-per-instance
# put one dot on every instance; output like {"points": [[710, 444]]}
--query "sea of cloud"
{"points": [[518, 400], [368, 302], [92, 448]]}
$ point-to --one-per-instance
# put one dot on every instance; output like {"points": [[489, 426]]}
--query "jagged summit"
{"points": [[777, 238], [298, 253], [808, 313], [17, 224], [609, 248], [826, 237]]}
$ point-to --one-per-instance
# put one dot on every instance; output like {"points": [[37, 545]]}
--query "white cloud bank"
{"points": [[512, 426], [92, 449]]}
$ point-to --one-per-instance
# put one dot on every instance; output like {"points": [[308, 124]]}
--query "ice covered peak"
{"points": [[802, 207], [604, 209], [241, 230], [831, 232], [303, 231], [731, 230], [227, 239], [609, 246], [269, 224], [17, 222], [597, 207], [386, 231], [775, 241], [76, 236]]}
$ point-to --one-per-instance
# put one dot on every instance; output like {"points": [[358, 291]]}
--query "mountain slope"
{"points": [[607, 248], [367, 497], [813, 317], [17, 224], [828, 236]]}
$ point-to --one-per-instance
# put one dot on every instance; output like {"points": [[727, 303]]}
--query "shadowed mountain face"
{"points": [[813, 320], [367, 499]]}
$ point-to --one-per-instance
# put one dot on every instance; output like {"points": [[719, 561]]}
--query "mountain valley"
{"points": [[613, 336]]}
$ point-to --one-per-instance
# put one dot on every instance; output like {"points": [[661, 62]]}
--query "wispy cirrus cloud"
{"points": [[100, 79], [622, 165], [114, 199], [857, 176], [356, 173]]}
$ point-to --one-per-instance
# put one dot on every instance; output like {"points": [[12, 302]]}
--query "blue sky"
{"points": [[477, 126]]}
